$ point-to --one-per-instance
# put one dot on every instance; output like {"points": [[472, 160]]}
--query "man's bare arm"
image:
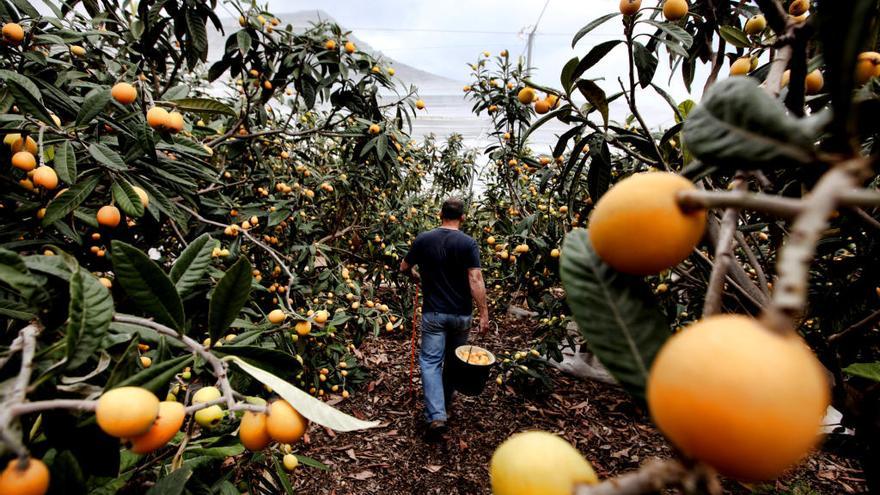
{"points": [[478, 292], [410, 270]]}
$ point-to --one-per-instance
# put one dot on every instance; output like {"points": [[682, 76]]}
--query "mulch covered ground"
{"points": [[600, 420]]}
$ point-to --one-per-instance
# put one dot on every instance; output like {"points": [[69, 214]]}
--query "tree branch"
{"points": [[775, 205], [274, 254], [18, 394], [218, 366], [795, 257], [723, 254], [863, 323], [654, 476]]}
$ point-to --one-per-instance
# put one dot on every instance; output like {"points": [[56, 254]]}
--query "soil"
{"points": [[601, 421]]}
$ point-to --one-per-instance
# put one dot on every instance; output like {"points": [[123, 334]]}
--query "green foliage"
{"points": [[275, 141], [89, 315], [147, 285], [615, 313], [738, 125]]}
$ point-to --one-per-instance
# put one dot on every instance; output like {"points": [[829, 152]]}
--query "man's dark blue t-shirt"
{"points": [[444, 257]]}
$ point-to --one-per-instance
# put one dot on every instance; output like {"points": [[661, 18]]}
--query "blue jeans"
{"points": [[441, 334]]}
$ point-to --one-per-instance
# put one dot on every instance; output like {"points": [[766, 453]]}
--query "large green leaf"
{"points": [[27, 103], [244, 41], [197, 34], [156, 377], [106, 156], [739, 126], [24, 81], [61, 206], [147, 285], [143, 334], [88, 317], [565, 77], [735, 36], [271, 360], [596, 54], [126, 197], [596, 96], [93, 104], [61, 265], [192, 264], [232, 291], [312, 408], [675, 32], [203, 105], [591, 26], [282, 476], [870, 371], [16, 310], [646, 64], [27, 9], [15, 274], [173, 484], [616, 313], [65, 162], [599, 175]]}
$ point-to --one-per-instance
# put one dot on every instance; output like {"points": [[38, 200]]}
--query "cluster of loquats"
{"points": [[527, 96], [160, 119], [137, 417], [673, 10], [25, 151], [711, 390]]}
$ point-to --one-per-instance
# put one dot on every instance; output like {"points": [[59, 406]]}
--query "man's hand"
{"points": [[410, 271], [478, 291], [483, 324]]}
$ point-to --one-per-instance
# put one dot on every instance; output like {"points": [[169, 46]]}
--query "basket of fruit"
{"points": [[469, 369]]}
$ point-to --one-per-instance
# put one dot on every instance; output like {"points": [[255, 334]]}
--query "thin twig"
{"points": [[274, 254], [631, 97], [47, 405], [723, 254], [753, 261], [217, 365], [863, 323]]}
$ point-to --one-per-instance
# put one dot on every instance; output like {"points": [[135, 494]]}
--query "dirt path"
{"points": [[600, 420]]}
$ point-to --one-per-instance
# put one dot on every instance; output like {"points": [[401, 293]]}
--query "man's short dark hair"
{"points": [[452, 209]]}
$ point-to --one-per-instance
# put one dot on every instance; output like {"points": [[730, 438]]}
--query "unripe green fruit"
{"points": [[206, 394], [209, 417]]}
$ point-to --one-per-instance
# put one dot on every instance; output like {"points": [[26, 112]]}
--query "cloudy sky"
{"points": [[442, 36]]}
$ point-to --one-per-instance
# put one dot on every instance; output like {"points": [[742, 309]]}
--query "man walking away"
{"points": [[448, 263]]}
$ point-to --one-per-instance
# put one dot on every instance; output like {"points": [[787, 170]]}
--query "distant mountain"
{"points": [[427, 82]]}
